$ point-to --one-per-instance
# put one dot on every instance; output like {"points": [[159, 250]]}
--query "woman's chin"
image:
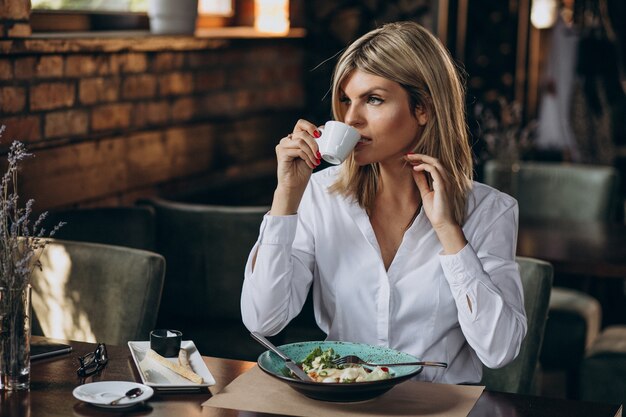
{"points": [[361, 161], [361, 157]]}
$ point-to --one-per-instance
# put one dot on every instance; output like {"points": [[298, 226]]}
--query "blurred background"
{"points": [[86, 84], [145, 114]]}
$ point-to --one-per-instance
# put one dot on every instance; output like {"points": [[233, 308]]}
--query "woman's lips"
{"points": [[363, 141]]}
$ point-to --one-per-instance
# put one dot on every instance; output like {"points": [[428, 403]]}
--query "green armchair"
{"points": [[563, 191], [96, 293], [546, 190], [519, 376], [206, 248], [603, 370]]}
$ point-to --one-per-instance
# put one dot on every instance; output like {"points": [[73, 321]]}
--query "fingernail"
{"points": [[317, 134], [409, 153], [319, 161], [318, 154]]}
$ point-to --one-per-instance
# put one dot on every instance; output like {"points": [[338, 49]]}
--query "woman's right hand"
{"points": [[297, 155]]}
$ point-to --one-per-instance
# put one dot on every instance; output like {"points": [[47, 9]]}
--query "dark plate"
{"points": [[271, 364]]}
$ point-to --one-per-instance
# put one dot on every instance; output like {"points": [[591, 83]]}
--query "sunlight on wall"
{"points": [[271, 16], [58, 310], [216, 7]]}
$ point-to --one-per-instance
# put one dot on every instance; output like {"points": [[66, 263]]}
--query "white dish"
{"points": [[102, 393], [161, 378]]}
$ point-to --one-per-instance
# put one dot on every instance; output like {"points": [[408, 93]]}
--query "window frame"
{"points": [[87, 21], [62, 21]]}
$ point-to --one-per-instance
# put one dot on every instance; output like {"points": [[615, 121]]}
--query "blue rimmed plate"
{"points": [[271, 364]]}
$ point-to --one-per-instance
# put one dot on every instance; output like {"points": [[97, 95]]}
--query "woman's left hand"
{"points": [[436, 200]]}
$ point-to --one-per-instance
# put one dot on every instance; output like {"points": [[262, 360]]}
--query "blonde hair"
{"points": [[408, 54]]}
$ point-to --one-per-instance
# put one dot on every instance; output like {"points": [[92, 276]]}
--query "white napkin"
{"points": [[156, 373]]}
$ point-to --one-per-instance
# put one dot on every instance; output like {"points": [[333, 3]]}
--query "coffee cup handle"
{"points": [[321, 140]]}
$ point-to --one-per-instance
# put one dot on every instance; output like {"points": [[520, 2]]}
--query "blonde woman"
{"points": [[399, 246]]}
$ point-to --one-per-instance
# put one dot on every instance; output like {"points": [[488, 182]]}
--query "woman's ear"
{"points": [[421, 115]]}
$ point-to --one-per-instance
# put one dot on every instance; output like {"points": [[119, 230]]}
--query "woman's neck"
{"points": [[396, 185]]}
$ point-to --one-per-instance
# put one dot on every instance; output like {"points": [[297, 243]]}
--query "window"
{"points": [[102, 15], [205, 7], [216, 7], [92, 5]]}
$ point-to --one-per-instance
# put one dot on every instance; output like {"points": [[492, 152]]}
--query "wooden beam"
{"points": [[523, 24]]}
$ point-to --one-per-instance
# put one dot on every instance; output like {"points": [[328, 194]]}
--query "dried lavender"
{"points": [[21, 243]]}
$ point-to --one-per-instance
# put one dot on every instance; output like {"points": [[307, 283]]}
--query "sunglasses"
{"points": [[93, 362]]}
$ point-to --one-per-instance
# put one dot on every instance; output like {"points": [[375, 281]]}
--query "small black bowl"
{"points": [[166, 342]]}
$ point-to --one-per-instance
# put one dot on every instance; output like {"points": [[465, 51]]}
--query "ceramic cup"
{"points": [[166, 342], [337, 141], [169, 17]]}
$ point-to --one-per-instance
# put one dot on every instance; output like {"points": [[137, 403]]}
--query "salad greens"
{"points": [[320, 367], [319, 359]]}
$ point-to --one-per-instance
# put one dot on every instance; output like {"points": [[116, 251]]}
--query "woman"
{"points": [[402, 249]]}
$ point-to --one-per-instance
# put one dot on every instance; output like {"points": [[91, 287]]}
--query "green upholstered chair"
{"points": [[547, 190], [519, 376], [130, 226], [206, 248], [603, 370], [97, 293], [572, 192]]}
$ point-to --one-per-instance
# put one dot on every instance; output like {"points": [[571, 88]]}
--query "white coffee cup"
{"points": [[173, 17], [337, 141]]}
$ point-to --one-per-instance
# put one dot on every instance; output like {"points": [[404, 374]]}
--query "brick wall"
{"points": [[14, 18], [112, 120]]}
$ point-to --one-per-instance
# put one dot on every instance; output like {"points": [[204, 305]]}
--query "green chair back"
{"points": [[206, 248], [519, 375], [557, 190], [549, 191], [97, 293]]}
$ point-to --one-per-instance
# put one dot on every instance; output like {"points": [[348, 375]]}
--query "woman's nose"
{"points": [[352, 117]]}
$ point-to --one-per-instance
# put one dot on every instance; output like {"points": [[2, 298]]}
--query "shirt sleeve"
{"points": [[485, 282], [275, 289]]}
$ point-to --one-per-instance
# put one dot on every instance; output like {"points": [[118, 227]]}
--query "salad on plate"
{"points": [[320, 367]]}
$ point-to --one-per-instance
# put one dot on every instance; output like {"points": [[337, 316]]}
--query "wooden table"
{"points": [[52, 382], [592, 249]]}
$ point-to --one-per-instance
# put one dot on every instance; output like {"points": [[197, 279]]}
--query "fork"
{"points": [[355, 360]]}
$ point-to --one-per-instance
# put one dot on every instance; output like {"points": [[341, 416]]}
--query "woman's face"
{"points": [[379, 109]]}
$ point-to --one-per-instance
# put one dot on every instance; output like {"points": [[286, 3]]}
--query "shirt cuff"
{"points": [[278, 230], [462, 266]]}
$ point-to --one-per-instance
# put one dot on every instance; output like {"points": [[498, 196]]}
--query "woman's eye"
{"points": [[374, 100], [344, 99]]}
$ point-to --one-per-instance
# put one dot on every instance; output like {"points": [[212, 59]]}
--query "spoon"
{"points": [[131, 393]]}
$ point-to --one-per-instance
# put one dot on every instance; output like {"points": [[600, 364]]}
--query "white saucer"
{"points": [[102, 393]]}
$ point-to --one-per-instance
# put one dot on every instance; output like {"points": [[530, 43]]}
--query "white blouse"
{"points": [[464, 309]]}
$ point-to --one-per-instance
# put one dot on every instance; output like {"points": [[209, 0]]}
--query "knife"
{"points": [[289, 363]]}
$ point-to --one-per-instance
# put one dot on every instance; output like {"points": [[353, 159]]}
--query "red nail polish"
{"points": [[409, 153], [319, 161], [317, 134], [318, 154]]}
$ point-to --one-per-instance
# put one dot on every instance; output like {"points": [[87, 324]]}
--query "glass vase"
{"points": [[15, 332]]}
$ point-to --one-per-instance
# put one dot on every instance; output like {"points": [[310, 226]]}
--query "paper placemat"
{"points": [[256, 391]]}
